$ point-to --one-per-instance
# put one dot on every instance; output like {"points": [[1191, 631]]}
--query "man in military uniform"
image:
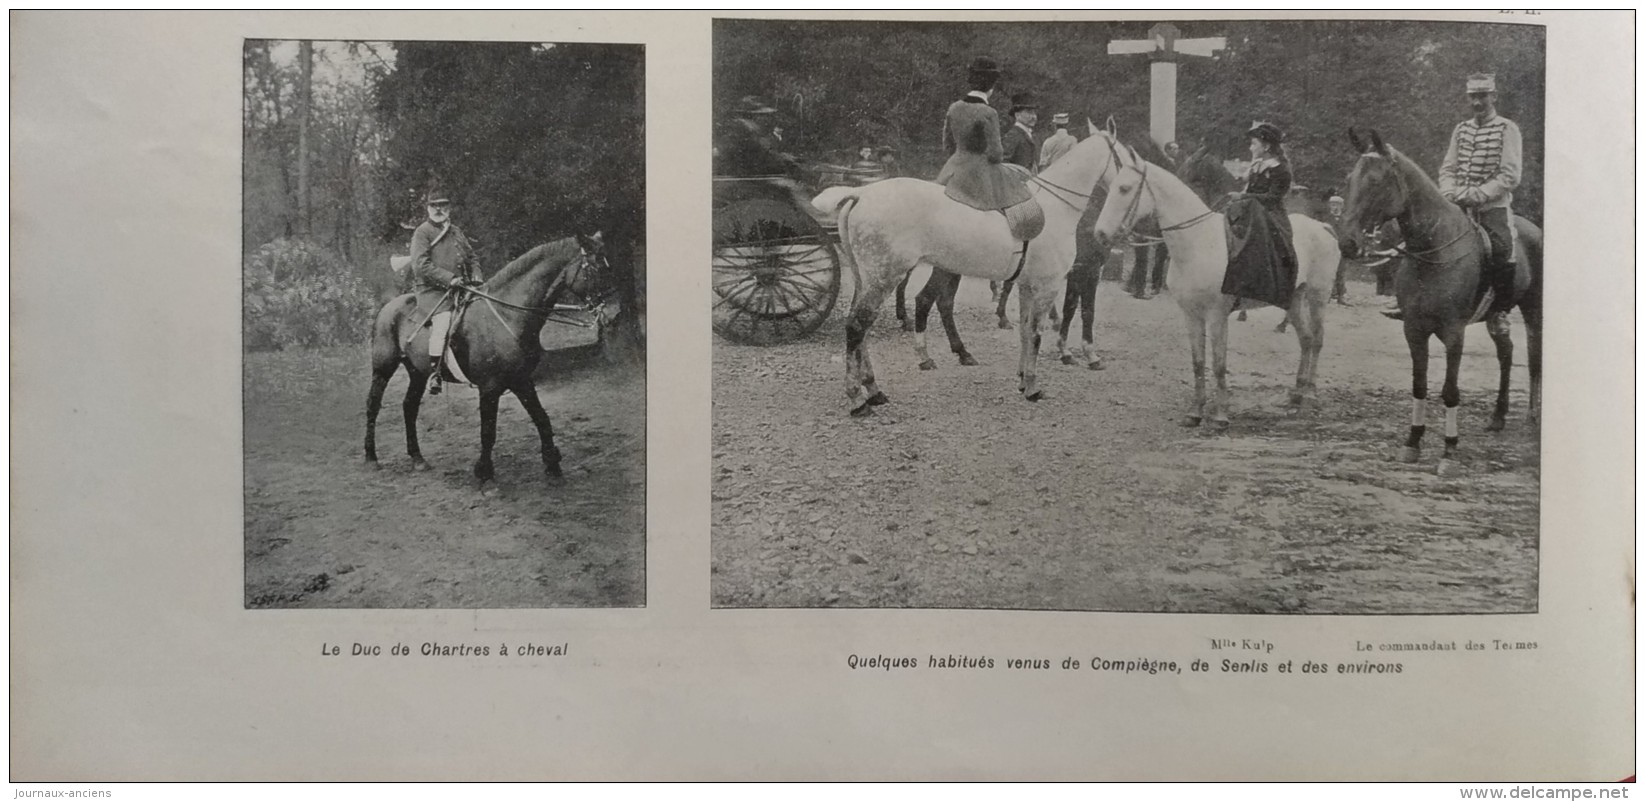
{"points": [[1480, 171], [1058, 144], [442, 259]]}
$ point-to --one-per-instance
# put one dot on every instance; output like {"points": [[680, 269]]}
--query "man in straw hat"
{"points": [[1058, 144], [1479, 173]]}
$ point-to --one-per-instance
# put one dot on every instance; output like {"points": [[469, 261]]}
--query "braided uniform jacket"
{"points": [[1484, 155]]}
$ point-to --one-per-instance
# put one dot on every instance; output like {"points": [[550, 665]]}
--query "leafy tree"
{"points": [[841, 84], [534, 141]]}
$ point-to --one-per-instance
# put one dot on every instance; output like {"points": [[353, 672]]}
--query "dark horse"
{"points": [[496, 343], [1438, 285]]}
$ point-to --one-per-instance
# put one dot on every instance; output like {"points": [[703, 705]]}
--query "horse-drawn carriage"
{"points": [[776, 268]]}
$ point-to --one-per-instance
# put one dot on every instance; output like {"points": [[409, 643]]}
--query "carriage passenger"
{"points": [[867, 169], [442, 259]]}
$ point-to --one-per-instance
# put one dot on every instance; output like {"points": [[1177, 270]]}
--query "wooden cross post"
{"points": [[1165, 47]]}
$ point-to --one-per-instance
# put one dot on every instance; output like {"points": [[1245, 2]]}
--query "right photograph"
{"points": [[1237, 316]]}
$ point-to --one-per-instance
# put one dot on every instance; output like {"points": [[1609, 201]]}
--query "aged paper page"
{"points": [[155, 636]]}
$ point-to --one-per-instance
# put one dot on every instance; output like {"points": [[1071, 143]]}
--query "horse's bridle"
{"points": [[1405, 197], [1086, 196], [586, 261], [1130, 219]]}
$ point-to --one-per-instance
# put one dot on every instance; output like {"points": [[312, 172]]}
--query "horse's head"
{"points": [[1129, 198], [1205, 174], [1376, 192], [590, 273]]}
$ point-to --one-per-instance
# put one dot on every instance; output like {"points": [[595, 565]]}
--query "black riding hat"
{"points": [[1023, 100], [983, 65], [1267, 132]]}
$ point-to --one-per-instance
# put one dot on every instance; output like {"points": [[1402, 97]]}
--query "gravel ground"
{"points": [[960, 494]]}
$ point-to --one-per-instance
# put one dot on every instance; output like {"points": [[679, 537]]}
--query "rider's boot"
{"points": [[437, 329]]}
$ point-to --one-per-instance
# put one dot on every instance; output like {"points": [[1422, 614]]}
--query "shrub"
{"points": [[300, 295]]}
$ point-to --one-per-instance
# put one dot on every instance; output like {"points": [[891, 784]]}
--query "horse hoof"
{"points": [[1005, 324], [1096, 364], [908, 325], [1190, 421], [878, 399], [1034, 396], [419, 465], [1294, 398], [929, 364], [862, 411], [1219, 424], [1447, 468], [968, 361], [1496, 425], [1067, 359], [1409, 455], [373, 464]]}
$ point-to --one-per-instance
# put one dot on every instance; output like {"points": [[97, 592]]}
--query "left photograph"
{"points": [[443, 323]]}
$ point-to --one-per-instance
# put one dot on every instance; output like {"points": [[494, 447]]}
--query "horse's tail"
{"points": [[387, 330], [847, 202], [1530, 238], [829, 200]]}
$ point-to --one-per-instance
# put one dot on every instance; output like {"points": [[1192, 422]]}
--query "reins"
{"points": [[548, 311], [1405, 192]]}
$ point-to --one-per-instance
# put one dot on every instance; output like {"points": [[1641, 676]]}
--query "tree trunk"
{"points": [[305, 97]]}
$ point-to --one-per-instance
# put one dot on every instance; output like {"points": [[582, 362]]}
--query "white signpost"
{"points": [[1165, 47]]}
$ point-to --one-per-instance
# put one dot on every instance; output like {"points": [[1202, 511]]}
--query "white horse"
{"points": [[1197, 240], [891, 227]]}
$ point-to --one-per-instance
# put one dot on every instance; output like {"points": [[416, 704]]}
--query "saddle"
{"points": [[1025, 220], [1486, 303], [450, 371]]}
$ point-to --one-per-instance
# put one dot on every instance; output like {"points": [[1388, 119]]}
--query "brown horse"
{"points": [[1438, 285], [495, 343]]}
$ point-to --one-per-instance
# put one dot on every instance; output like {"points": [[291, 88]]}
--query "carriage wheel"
{"points": [[776, 273]]}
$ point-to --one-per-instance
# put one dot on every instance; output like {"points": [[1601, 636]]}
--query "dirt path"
{"points": [[323, 530], [959, 494]]}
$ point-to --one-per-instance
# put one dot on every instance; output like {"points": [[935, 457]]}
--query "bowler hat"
{"points": [[1023, 100]]}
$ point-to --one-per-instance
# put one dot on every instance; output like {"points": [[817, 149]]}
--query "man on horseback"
{"points": [[443, 263], [1480, 171]]}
